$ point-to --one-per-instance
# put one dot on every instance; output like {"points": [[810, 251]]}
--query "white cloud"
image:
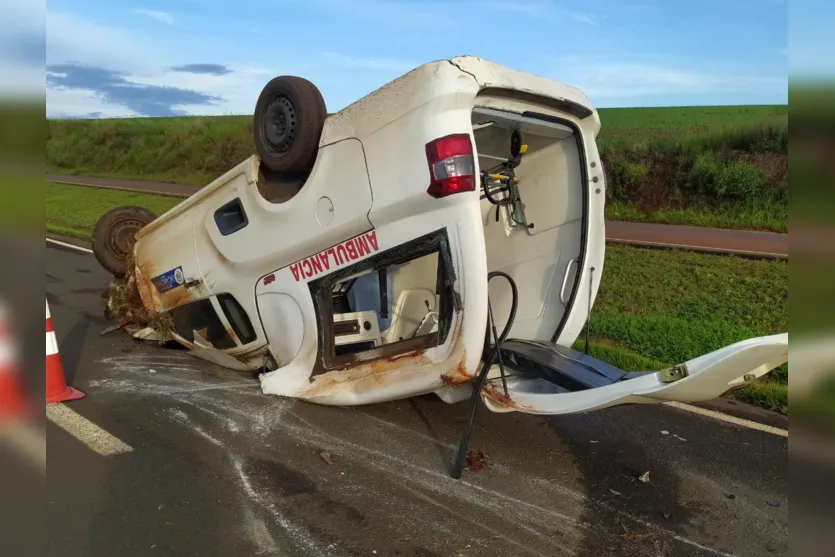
{"points": [[74, 39], [163, 17], [581, 17], [622, 80], [65, 103], [238, 89], [21, 50], [21, 80], [80, 41]]}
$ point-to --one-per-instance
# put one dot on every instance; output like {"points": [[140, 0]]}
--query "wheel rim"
{"points": [[122, 237], [279, 124]]}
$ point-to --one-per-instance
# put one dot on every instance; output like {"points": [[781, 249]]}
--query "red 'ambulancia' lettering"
{"points": [[341, 254], [349, 250], [317, 265], [323, 258], [362, 246], [352, 249], [372, 239]]}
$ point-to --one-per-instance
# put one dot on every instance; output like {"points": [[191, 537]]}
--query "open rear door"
{"points": [[547, 233], [543, 378], [551, 240]]}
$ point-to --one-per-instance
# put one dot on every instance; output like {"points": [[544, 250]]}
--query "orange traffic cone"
{"points": [[57, 389], [13, 400]]}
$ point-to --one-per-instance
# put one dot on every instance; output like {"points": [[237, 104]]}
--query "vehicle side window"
{"points": [[237, 317], [357, 324], [201, 316]]}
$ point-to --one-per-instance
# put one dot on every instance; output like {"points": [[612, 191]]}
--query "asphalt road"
{"points": [[708, 240], [217, 468]]}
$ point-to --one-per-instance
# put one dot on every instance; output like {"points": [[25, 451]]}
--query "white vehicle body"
{"points": [[251, 265]]}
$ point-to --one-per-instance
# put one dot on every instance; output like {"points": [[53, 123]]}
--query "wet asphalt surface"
{"points": [[217, 468]]}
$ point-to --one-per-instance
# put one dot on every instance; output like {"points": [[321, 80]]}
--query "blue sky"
{"points": [[108, 58]]}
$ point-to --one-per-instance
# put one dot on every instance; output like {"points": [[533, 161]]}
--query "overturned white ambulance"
{"points": [[351, 259]]}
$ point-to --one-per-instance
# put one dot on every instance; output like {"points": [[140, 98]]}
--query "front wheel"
{"points": [[115, 234]]}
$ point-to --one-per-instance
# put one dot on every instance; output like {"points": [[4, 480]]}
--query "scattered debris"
{"points": [[125, 305], [631, 537], [111, 328], [634, 537], [644, 477], [476, 460], [665, 432], [326, 456], [204, 349], [615, 492], [145, 333]]}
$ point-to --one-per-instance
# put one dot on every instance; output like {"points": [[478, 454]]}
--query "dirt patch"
{"points": [[125, 305], [476, 460]]}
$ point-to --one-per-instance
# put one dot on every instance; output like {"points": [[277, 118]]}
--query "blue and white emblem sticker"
{"points": [[169, 279]]}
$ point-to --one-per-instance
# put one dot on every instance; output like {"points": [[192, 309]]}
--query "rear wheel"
{"points": [[287, 125], [115, 234]]}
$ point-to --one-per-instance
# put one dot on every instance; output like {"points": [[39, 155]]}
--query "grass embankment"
{"points": [[655, 308], [706, 166], [716, 166], [73, 210], [21, 167]]}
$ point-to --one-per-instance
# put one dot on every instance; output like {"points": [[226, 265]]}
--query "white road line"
{"points": [[86, 431], [71, 246], [730, 419]]}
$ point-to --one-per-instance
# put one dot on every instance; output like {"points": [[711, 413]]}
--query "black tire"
{"points": [[287, 125], [115, 234]]}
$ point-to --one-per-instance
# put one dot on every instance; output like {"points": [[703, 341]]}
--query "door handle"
{"points": [[565, 280], [231, 217]]}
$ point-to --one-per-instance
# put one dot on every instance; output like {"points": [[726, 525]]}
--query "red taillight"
{"points": [[451, 165]]}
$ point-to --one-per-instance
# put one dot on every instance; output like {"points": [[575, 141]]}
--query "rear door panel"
{"points": [[704, 378]]}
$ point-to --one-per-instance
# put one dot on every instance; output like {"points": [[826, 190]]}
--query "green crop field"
{"points": [[73, 210], [710, 166], [634, 127]]}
